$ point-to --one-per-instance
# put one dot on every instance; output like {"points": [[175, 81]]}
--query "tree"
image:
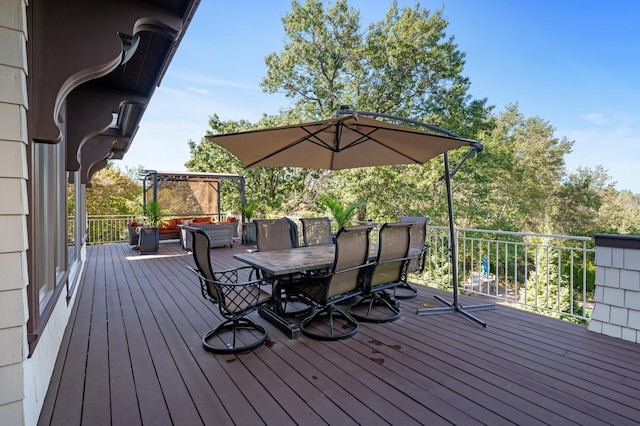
{"points": [[619, 213], [412, 69], [272, 188], [404, 65], [407, 65], [578, 201], [513, 181], [546, 286], [113, 193], [316, 67]]}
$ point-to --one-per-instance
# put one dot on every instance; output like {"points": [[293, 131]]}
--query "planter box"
{"points": [[149, 241], [248, 233]]}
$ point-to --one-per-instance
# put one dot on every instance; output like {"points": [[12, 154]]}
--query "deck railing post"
{"points": [[617, 298]]}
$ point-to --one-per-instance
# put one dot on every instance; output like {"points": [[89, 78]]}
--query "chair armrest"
{"points": [[233, 298]]}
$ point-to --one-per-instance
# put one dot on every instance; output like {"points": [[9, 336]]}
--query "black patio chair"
{"points": [[316, 231], [276, 234], [389, 271], [343, 282], [279, 234], [235, 299], [417, 245]]}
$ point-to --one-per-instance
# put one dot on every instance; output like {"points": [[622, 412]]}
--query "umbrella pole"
{"points": [[454, 306]]}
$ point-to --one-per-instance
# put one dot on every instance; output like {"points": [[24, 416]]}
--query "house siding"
{"points": [[24, 378], [39, 64], [13, 210], [617, 297], [38, 369]]}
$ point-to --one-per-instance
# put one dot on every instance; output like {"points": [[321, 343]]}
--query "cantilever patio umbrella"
{"points": [[353, 140]]}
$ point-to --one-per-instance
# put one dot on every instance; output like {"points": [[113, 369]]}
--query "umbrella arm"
{"points": [[473, 150], [448, 174]]}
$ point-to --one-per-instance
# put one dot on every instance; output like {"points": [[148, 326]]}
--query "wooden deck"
{"points": [[132, 355]]}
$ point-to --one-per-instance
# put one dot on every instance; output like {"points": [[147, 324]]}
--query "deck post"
{"points": [[617, 295]]}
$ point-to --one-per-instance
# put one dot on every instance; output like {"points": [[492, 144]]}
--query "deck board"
{"points": [[96, 407], [132, 354], [121, 373], [507, 361]]}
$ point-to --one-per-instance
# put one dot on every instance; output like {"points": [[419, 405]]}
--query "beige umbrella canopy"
{"points": [[337, 143], [354, 140]]}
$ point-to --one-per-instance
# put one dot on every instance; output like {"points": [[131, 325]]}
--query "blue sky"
{"points": [[573, 63]]}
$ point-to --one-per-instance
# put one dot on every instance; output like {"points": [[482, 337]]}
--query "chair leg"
{"points": [[331, 313], [407, 291], [378, 299], [232, 327]]}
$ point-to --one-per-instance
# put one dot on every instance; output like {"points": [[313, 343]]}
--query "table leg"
{"points": [[274, 313]]}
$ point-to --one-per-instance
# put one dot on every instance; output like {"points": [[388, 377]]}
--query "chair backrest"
{"points": [[393, 248], [201, 247], [352, 253], [276, 234], [316, 231], [293, 233], [418, 237]]}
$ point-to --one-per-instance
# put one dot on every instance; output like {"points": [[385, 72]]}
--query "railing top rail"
{"points": [[109, 216], [520, 234]]}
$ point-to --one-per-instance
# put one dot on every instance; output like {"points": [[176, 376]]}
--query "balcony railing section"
{"points": [[550, 274], [107, 229]]}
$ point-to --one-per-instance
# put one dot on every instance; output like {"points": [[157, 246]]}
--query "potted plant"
{"points": [[149, 233], [343, 215], [248, 227]]}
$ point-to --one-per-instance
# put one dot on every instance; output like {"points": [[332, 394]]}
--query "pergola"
{"points": [[188, 193]]}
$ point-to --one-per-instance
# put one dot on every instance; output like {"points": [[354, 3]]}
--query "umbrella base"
{"points": [[455, 307]]}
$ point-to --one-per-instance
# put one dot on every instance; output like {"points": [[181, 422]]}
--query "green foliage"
{"points": [[273, 188], [316, 66], [404, 65], [394, 191], [153, 214], [619, 213], [343, 215], [113, 193], [509, 186], [554, 298], [248, 211], [134, 173], [408, 65]]}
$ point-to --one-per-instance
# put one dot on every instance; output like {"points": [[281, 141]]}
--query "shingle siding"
{"points": [[617, 299]]}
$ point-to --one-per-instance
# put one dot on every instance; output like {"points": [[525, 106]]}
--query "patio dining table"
{"points": [[280, 264]]}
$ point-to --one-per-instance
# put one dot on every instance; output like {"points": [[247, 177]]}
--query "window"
{"points": [[44, 212], [53, 252]]}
